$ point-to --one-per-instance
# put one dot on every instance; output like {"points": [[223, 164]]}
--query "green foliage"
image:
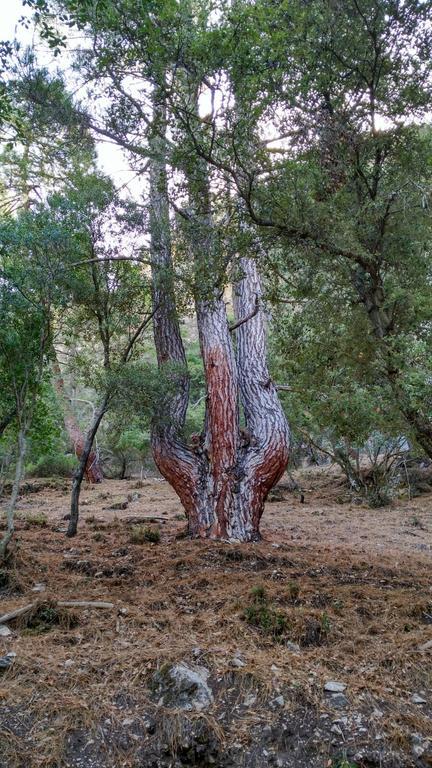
{"points": [[37, 520], [263, 616], [141, 534], [53, 465]]}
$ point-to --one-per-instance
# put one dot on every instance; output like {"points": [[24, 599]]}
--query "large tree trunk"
{"points": [[93, 470], [224, 476]]}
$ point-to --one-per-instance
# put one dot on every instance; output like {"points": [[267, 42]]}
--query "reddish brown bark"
{"points": [[93, 470], [223, 478]]}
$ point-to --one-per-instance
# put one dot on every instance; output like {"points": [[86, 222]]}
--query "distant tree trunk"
{"points": [[224, 477], [84, 458], [93, 470]]}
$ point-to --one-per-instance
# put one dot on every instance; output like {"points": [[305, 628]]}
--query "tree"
{"points": [[46, 148], [223, 478], [110, 298], [27, 295]]}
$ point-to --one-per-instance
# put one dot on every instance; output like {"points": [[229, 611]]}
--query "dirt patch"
{"points": [[355, 611]]}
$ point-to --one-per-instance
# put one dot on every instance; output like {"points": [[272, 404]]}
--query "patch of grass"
{"points": [[144, 533], [263, 616], [44, 616], [39, 520], [294, 591]]}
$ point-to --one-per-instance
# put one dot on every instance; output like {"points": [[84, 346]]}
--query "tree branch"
{"points": [[247, 318]]}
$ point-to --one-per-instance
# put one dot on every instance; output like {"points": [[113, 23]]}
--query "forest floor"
{"points": [[336, 596]]}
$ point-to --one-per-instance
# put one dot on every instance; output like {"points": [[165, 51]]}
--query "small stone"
{"points": [[5, 662], [333, 687], [250, 700], [196, 652], [128, 721], [237, 662], [4, 631], [11, 655], [293, 647], [416, 699], [39, 587], [279, 701], [68, 663]]}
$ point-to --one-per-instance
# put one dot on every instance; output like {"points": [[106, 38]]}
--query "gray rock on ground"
{"points": [[184, 687]]}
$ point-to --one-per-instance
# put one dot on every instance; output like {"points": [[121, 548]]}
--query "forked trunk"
{"points": [[224, 475]]}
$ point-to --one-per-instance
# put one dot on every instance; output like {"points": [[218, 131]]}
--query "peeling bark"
{"points": [[223, 478]]}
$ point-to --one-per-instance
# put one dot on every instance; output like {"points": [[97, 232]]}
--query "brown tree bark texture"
{"points": [[224, 478]]}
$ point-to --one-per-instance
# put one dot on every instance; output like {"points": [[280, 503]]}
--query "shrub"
{"points": [[263, 616], [142, 533], [38, 520], [51, 465]]}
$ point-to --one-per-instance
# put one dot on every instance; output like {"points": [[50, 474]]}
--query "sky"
{"points": [[111, 159]]}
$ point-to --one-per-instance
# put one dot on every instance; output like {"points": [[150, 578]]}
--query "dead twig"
{"points": [[62, 603]]}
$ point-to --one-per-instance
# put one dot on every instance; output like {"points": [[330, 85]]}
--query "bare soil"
{"points": [[352, 584]]}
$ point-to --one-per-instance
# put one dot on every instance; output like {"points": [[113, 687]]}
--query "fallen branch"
{"points": [[62, 603], [16, 613], [84, 604], [138, 520]]}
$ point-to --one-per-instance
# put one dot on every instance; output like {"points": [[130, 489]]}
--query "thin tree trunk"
{"points": [[19, 471], [93, 470], [79, 474]]}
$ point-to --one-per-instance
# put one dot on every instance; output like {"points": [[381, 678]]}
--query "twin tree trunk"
{"points": [[224, 477]]}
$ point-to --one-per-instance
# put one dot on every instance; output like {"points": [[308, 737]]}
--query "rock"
{"points": [[416, 699], [333, 687], [293, 647], [39, 587], [4, 631], [5, 662], [68, 663], [119, 505], [185, 688], [338, 701], [238, 662], [128, 721], [279, 701], [249, 700]]}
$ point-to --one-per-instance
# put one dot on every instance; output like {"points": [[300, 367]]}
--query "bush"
{"points": [[37, 521], [142, 533], [53, 465], [263, 616]]}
